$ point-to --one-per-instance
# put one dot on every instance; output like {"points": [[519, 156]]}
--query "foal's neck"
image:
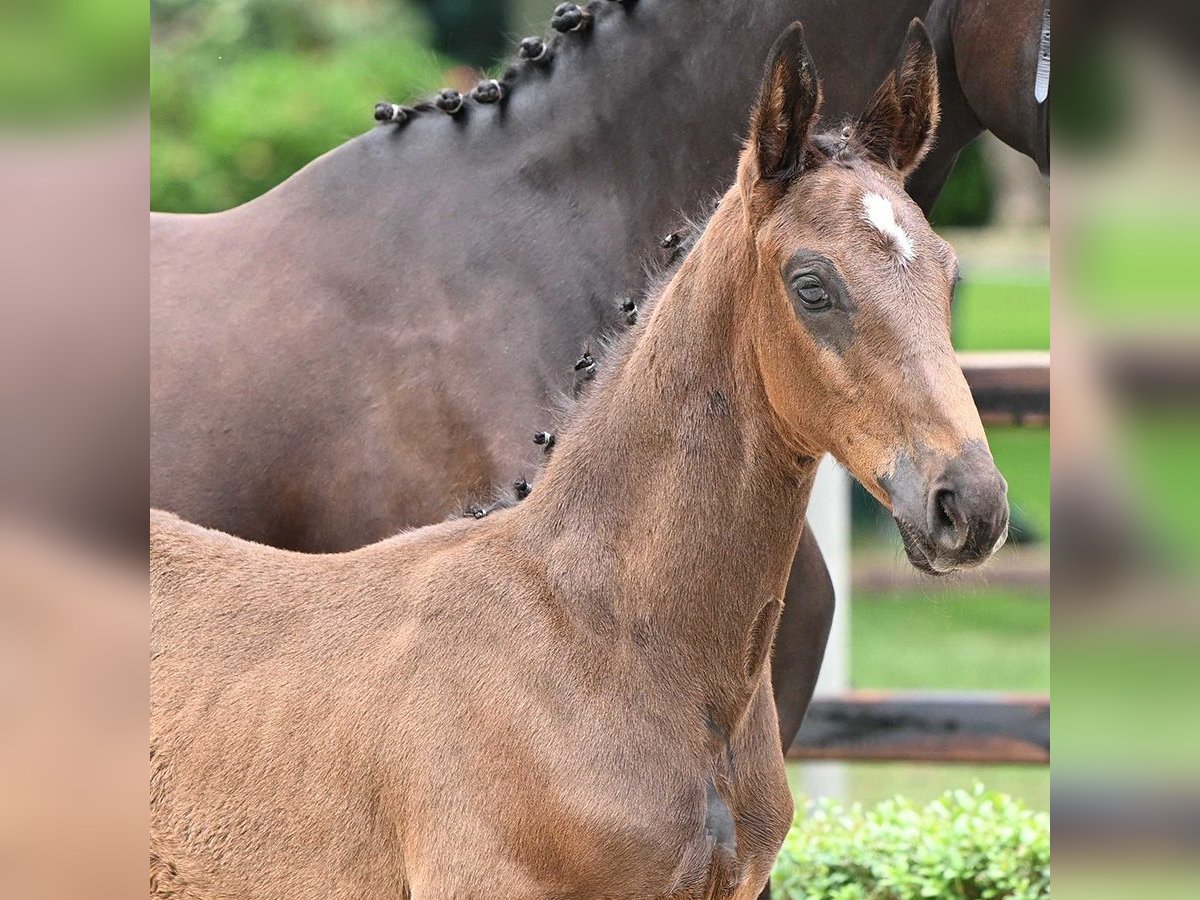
{"points": [[672, 509]]}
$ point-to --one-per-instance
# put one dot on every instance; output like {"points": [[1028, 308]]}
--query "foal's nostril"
{"points": [[947, 524], [944, 509]]}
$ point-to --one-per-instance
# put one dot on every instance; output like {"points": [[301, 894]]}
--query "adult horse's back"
{"points": [[376, 339], [373, 340]]}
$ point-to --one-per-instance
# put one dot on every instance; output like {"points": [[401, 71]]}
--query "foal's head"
{"points": [[852, 304]]}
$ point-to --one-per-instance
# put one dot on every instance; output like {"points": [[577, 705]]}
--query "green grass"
{"points": [[1119, 876], [1127, 700], [871, 783], [995, 314], [1160, 448], [1138, 268], [948, 638], [1023, 457]]}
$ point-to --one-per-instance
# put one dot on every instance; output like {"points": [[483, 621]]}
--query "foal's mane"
{"points": [[610, 351]]}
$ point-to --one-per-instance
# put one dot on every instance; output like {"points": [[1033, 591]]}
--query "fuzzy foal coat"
{"points": [[361, 726], [571, 697], [567, 698]]}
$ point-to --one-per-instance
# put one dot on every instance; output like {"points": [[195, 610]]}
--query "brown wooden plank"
{"points": [[914, 727], [1013, 387], [1133, 813], [1009, 387]]}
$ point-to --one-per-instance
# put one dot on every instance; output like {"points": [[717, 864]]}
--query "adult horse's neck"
{"points": [[589, 160], [677, 436]]}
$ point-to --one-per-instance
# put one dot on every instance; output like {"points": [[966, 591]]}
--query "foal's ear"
{"points": [[899, 124], [786, 108]]}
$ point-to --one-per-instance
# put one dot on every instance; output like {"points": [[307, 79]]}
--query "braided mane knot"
{"points": [[570, 17], [535, 50], [630, 308], [586, 364], [488, 91], [392, 112], [449, 101]]}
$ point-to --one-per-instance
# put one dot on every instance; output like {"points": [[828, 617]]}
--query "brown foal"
{"points": [[571, 697]]}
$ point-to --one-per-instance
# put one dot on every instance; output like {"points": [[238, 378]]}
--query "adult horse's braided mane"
{"points": [[605, 356], [534, 55]]}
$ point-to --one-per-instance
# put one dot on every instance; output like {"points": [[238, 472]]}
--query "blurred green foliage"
{"points": [[245, 92], [1160, 446], [1130, 686], [475, 31], [968, 199], [1138, 268], [963, 846], [63, 61], [1023, 455]]}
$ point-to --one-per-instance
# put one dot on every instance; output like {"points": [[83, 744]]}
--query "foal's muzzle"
{"points": [[955, 519]]}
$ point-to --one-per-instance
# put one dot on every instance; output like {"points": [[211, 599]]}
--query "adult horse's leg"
{"points": [[800, 641]]}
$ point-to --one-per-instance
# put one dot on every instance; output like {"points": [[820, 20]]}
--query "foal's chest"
{"points": [[677, 840]]}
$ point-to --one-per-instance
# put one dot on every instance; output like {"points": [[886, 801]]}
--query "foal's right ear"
{"points": [[786, 109], [899, 124]]}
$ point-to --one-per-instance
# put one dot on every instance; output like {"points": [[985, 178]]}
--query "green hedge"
{"points": [[965, 845]]}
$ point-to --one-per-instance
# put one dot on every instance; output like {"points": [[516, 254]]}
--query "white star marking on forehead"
{"points": [[879, 212]]}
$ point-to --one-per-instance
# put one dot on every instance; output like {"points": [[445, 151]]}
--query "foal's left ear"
{"points": [[787, 105], [899, 124]]}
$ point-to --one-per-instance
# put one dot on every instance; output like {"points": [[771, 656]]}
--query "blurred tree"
{"points": [[1092, 94], [245, 92], [471, 30]]}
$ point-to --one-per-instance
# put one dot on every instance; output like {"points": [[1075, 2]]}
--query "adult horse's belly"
{"points": [[282, 413]]}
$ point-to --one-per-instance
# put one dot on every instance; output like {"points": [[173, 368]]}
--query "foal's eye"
{"points": [[809, 290]]}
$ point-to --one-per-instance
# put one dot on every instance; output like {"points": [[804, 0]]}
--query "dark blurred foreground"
{"points": [[1126, 195]]}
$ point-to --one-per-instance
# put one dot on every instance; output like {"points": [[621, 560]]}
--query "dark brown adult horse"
{"points": [[988, 59], [373, 342], [572, 697]]}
